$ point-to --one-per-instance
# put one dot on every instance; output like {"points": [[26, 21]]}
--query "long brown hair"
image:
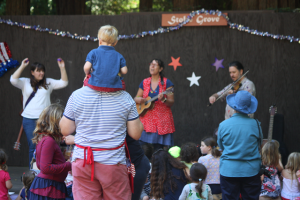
{"points": [[198, 174], [210, 141], [39, 67], [3, 159], [48, 123], [162, 177], [270, 154]]}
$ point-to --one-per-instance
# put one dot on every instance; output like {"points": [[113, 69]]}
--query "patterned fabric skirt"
{"points": [[154, 138], [46, 189]]}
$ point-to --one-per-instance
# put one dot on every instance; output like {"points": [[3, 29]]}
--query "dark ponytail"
{"points": [[198, 173], [214, 146], [27, 180]]}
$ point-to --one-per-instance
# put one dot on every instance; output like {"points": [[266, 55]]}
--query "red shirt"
{"points": [[50, 160], [4, 176]]}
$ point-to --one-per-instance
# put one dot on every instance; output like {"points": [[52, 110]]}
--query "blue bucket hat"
{"points": [[243, 102]]}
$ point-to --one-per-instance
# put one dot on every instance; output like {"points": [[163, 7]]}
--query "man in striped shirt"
{"points": [[101, 120]]}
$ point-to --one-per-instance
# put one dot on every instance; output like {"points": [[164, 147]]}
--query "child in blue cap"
{"points": [[104, 65]]}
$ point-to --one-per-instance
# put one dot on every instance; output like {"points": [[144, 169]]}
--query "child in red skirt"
{"points": [[49, 183]]}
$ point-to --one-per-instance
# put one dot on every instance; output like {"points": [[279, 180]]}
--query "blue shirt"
{"points": [[106, 63], [239, 139], [101, 122], [153, 93]]}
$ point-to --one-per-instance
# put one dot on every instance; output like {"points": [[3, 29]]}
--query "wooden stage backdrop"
{"points": [[274, 67]]}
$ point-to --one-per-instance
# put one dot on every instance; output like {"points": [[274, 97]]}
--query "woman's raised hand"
{"points": [[25, 62], [61, 63]]}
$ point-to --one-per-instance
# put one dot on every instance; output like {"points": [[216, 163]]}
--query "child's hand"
{"points": [[61, 63]]}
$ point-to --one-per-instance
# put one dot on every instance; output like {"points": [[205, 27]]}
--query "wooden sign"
{"points": [[198, 20]]}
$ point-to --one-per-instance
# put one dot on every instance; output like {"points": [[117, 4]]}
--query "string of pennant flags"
{"points": [[160, 30]]}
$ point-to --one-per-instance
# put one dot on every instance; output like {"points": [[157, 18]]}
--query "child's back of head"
{"points": [[198, 173], [189, 152], [148, 150], [3, 159], [108, 34], [293, 163], [270, 154], [27, 180], [211, 142]]}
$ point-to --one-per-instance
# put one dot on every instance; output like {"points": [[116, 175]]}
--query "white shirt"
{"points": [[42, 97]]}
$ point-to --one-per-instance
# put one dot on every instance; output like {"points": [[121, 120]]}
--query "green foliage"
{"points": [[42, 7], [2, 7], [112, 7], [162, 5]]}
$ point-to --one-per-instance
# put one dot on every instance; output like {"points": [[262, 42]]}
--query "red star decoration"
{"points": [[175, 63]]}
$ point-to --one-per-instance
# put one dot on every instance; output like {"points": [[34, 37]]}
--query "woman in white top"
{"points": [[43, 87]]}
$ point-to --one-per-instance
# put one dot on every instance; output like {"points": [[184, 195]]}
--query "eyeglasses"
{"points": [[151, 64]]}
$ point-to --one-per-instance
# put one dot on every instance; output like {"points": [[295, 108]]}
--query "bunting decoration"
{"points": [[239, 27], [6, 62]]}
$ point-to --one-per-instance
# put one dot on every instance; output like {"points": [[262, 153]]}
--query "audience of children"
{"points": [[270, 188], [197, 190], [5, 182], [27, 180], [49, 183], [291, 187], [189, 154], [212, 163]]}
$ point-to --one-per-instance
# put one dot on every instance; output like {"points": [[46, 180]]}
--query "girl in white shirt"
{"points": [[42, 87], [291, 187]]}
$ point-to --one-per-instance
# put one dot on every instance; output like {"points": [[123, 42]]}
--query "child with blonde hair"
{"points": [[49, 183], [270, 188], [291, 186], [27, 180], [197, 190], [212, 163], [104, 64], [5, 182]]}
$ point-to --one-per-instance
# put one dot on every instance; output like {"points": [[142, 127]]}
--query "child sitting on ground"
{"points": [[290, 189], [270, 188], [212, 163], [27, 179], [49, 183], [106, 63], [5, 182], [197, 189], [189, 154]]}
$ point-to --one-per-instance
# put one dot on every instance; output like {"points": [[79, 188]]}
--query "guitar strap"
{"points": [[31, 96]]}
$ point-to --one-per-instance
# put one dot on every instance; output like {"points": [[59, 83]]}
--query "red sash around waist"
{"points": [[90, 156]]}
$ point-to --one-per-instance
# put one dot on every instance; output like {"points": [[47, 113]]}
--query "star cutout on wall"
{"points": [[194, 79], [175, 63], [218, 64]]}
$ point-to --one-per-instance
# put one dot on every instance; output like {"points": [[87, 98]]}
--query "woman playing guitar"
{"points": [[236, 70], [158, 122]]}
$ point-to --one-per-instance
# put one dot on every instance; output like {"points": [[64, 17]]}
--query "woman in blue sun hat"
{"points": [[239, 137]]}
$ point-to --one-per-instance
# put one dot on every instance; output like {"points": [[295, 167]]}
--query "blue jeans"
{"points": [[29, 126]]}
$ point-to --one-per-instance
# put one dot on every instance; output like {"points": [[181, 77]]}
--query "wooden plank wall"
{"points": [[274, 67]]}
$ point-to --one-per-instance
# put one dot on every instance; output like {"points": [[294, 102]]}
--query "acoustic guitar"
{"points": [[17, 143], [273, 111], [142, 108]]}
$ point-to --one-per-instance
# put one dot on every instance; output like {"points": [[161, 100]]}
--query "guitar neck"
{"points": [[154, 98], [270, 133]]}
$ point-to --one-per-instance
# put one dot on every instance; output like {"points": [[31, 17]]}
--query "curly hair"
{"points": [[162, 177], [198, 173], [189, 152], [48, 123]]}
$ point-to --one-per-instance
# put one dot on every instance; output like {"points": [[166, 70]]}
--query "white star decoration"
{"points": [[194, 79]]}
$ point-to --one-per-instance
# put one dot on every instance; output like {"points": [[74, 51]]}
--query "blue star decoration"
{"points": [[218, 64], [194, 79]]}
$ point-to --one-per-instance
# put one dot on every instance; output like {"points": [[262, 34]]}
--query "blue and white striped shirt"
{"points": [[101, 119]]}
